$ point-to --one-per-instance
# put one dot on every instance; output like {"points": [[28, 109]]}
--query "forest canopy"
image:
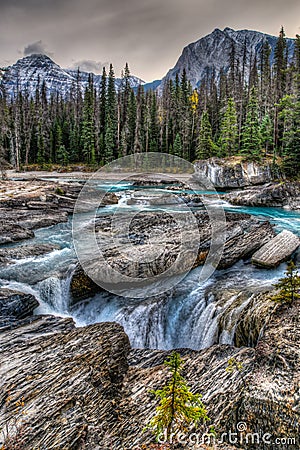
{"points": [[252, 110]]}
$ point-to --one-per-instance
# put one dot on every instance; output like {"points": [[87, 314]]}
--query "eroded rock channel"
{"points": [[84, 378]]}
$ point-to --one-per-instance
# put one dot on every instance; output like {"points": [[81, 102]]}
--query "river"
{"points": [[187, 316]]}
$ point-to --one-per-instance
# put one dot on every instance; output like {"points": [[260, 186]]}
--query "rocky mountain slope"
{"points": [[211, 54], [28, 72], [205, 57]]}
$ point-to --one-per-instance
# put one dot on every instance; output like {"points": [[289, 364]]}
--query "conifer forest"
{"points": [[252, 110]]}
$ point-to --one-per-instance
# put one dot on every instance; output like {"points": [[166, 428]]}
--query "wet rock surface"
{"points": [[285, 194], [231, 173], [28, 205], [86, 389], [16, 305], [71, 388], [153, 242], [10, 254]]}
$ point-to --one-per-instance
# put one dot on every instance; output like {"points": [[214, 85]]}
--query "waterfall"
{"points": [[190, 316], [55, 292]]}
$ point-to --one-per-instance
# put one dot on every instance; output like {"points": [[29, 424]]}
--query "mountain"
{"points": [[211, 54], [201, 59], [27, 72]]}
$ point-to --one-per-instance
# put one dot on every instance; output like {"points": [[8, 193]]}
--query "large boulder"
{"points": [[277, 250], [16, 305], [81, 286], [136, 263], [69, 379], [230, 173], [286, 194]]}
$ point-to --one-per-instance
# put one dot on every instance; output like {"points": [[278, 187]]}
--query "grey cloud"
{"points": [[89, 65], [149, 34], [36, 47]]}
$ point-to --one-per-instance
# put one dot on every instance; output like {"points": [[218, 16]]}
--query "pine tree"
{"points": [[266, 133], [265, 78], [110, 139], [290, 116], [88, 135], [229, 130], [251, 139], [280, 65], [289, 286], [153, 131], [205, 147], [179, 408], [177, 148]]}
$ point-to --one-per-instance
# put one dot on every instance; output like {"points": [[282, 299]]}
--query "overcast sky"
{"points": [[149, 34]]}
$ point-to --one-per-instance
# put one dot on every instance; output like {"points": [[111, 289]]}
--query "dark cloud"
{"points": [[36, 47], [148, 34], [88, 65]]}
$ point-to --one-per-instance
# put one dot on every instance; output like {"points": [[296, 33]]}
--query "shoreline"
{"points": [[12, 175]]}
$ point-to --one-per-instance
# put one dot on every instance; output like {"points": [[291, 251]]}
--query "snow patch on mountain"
{"points": [[30, 72]]}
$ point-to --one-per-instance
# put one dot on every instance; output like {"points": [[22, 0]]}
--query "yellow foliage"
{"points": [[194, 100]]}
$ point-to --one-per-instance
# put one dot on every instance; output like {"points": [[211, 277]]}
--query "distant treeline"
{"points": [[251, 110]]}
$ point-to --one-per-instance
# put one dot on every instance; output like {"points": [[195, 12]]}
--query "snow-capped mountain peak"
{"points": [[29, 72]]}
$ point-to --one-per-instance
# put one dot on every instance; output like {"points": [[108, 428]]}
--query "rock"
{"points": [[253, 320], [34, 326], [17, 305], [244, 235], [153, 179], [286, 194], [277, 250], [70, 380], [84, 388], [8, 255], [81, 286], [12, 232], [232, 172], [29, 205], [243, 239], [110, 198]]}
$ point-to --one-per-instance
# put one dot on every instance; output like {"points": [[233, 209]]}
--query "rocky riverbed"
{"points": [[68, 387]]}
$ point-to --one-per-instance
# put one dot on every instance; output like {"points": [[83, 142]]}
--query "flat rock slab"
{"points": [[279, 249]]}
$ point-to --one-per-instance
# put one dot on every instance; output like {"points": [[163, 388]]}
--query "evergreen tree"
{"points": [[289, 286], [110, 140], [265, 78], [153, 131], [266, 133], [111, 118], [177, 148], [251, 139], [229, 130], [205, 147], [88, 136], [290, 116], [280, 65], [178, 408]]}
